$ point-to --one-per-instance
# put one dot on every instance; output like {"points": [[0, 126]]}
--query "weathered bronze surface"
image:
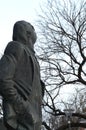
{"points": [[20, 84]]}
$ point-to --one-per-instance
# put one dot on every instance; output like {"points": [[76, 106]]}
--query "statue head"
{"points": [[24, 32]]}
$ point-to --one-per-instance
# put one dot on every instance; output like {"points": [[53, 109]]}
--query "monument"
{"points": [[20, 84]]}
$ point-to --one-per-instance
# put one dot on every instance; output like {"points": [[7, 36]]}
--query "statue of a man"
{"points": [[20, 84]]}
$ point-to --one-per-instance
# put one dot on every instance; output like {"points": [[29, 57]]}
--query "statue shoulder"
{"points": [[14, 48]]}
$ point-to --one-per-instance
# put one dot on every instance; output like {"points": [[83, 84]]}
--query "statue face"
{"points": [[31, 33]]}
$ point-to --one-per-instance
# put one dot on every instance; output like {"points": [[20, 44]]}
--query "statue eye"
{"points": [[28, 32]]}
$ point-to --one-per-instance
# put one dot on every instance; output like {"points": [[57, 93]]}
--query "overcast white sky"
{"points": [[12, 11]]}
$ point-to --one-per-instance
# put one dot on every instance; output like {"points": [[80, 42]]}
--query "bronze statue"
{"points": [[20, 84]]}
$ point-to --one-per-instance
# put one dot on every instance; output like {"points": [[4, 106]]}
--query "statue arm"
{"points": [[8, 64]]}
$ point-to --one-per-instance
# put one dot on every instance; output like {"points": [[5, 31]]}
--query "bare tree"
{"points": [[63, 45], [77, 106], [62, 31]]}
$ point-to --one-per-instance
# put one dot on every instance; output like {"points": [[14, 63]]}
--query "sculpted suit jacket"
{"points": [[20, 87]]}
